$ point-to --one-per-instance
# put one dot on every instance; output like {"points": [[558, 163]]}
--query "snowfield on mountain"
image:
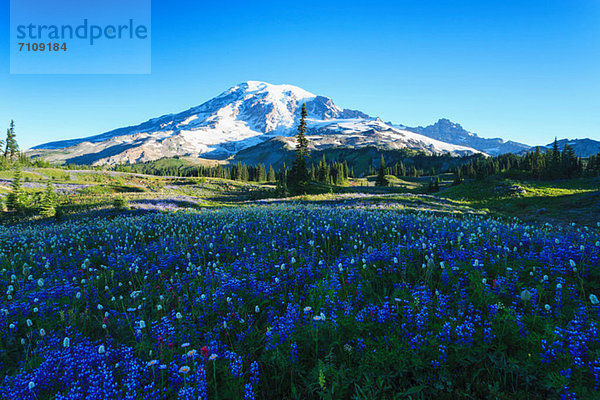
{"points": [[244, 116]]}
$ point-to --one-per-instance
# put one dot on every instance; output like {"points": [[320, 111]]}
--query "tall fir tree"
{"points": [[245, 174], [570, 165], [381, 179], [271, 176], [11, 150], [298, 177], [2, 144], [262, 173], [281, 188], [14, 200], [402, 170], [346, 170], [556, 160], [48, 204], [457, 177]]}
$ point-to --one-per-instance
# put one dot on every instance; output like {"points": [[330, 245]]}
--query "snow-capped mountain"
{"points": [[447, 131], [244, 116], [374, 132]]}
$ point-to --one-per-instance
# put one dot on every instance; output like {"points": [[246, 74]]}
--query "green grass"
{"points": [[562, 202], [405, 182], [576, 200], [8, 174], [54, 173]]}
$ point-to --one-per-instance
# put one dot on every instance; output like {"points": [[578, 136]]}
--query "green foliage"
{"points": [[434, 184], [4, 163], [120, 203], [334, 173], [282, 189], [181, 168], [298, 177], [11, 150], [15, 200], [58, 213], [41, 163], [553, 164], [271, 177], [565, 201], [11, 154], [381, 179], [458, 178], [262, 173], [48, 203]]}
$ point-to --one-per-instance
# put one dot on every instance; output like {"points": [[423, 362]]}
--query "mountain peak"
{"points": [[451, 132], [444, 124], [256, 87], [244, 116]]}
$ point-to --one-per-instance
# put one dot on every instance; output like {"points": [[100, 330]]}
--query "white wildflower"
{"points": [[525, 295]]}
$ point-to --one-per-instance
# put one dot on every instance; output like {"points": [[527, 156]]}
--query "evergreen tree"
{"points": [[14, 200], [236, 172], [322, 172], [48, 205], [537, 163], [271, 176], [311, 173], [569, 161], [457, 177], [381, 179], [593, 165], [556, 160], [339, 173], [402, 169], [12, 148], [281, 187], [434, 184], [298, 178], [262, 173], [245, 174]]}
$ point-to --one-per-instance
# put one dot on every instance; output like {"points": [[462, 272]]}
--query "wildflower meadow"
{"points": [[298, 302]]}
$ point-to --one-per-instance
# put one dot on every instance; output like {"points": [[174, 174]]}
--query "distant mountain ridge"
{"points": [[450, 132]]}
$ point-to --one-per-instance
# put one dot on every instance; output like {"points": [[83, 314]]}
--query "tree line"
{"points": [[238, 171], [549, 165]]}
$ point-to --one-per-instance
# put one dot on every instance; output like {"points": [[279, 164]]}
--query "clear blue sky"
{"points": [[520, 70]]}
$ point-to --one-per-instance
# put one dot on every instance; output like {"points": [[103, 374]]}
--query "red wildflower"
{"points": [[204, 351]]}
